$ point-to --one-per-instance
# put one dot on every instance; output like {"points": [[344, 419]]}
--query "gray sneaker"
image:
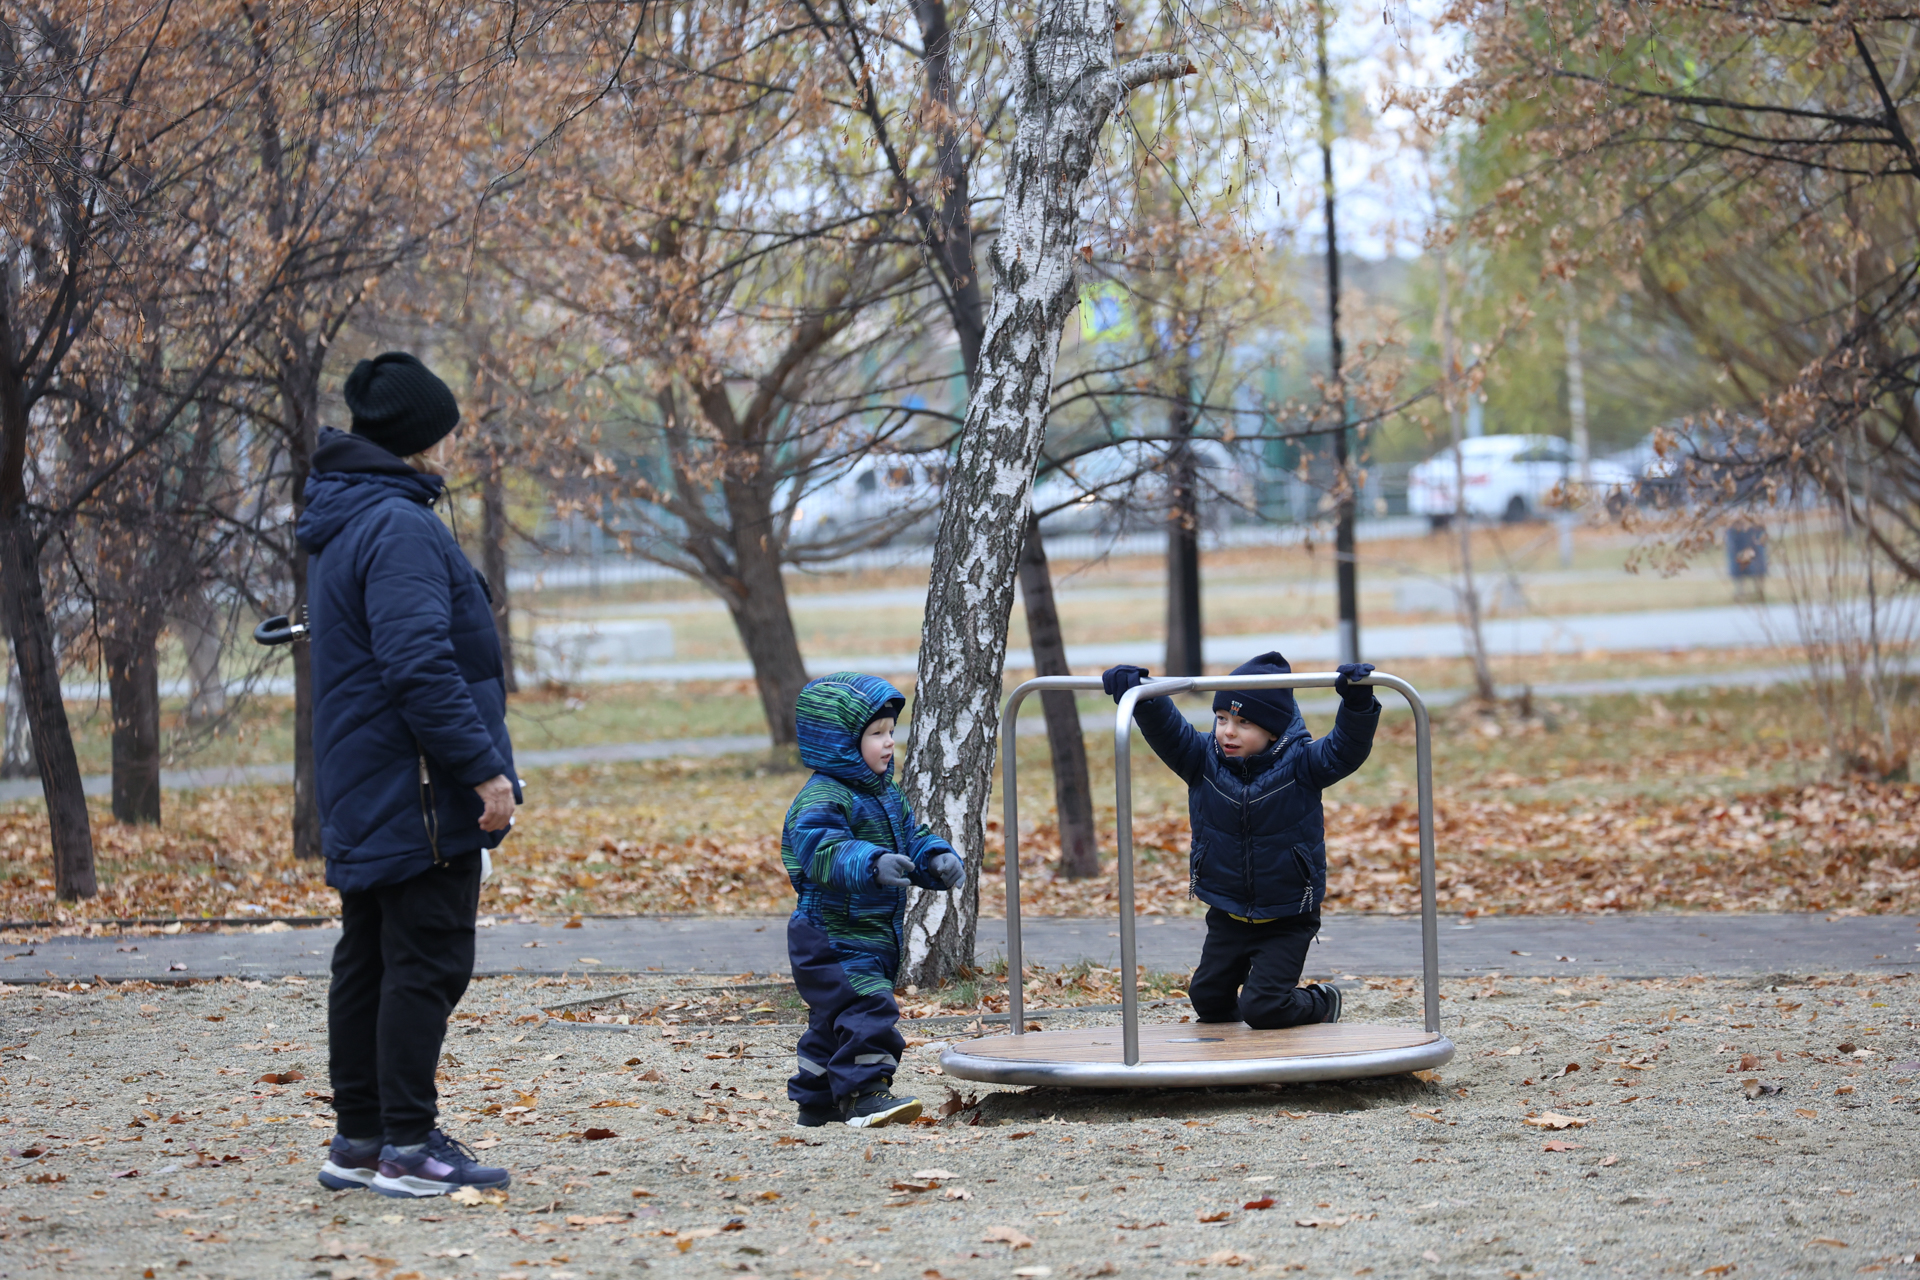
{"points": [[1333, 995], [878, 1108], [443, 1164], [350, 1165]]}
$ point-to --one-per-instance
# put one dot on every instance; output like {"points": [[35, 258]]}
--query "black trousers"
{"points": [[852, 1043], [1251, 972], [403, 961]]}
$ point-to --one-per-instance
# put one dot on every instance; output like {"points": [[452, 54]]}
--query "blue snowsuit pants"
{"points": [[852, 1043]]}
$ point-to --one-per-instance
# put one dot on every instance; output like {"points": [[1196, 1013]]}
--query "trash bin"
{"points": [[1747, 556]]}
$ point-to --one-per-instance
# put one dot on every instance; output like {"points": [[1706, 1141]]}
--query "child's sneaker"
{"points": [[814, 1117], [1333, 994], [879, 1107], [442, 1164], [350, 1165]]}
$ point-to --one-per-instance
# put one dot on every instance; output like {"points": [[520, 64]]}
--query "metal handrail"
{"points": [[1123, 821]]}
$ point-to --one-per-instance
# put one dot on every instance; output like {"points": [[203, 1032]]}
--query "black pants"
{"points": [[852, 1043], [1251, 972], [403, 961]]}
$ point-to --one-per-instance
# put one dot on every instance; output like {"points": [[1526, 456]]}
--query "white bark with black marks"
{"points": [[1065, 88]]}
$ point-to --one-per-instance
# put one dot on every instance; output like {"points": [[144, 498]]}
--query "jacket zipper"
{"points": [[1246, 849]]}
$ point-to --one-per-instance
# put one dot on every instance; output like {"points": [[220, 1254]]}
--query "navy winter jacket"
{"points": [[407, 672], [1259, 837]]}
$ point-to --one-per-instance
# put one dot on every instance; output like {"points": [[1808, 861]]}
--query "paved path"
{"points": [[1370, 945], [1031, 723], [1721, 627]]}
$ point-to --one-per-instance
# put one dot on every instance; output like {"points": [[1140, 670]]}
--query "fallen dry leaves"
{"points": [[1850, 845], [1819, 847]]}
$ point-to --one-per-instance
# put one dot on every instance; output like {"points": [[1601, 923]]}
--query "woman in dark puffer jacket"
{"points": [[415, 773]]}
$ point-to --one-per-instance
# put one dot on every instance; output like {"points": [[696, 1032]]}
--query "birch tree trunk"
{"points": [[17, 760], [1065, 89]]}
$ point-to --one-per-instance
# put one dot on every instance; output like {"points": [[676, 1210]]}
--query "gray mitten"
{"points": [[893, 870], [948, 869]]}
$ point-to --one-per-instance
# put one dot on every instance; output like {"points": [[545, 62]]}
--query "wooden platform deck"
{"points": [[1198, 1042]]}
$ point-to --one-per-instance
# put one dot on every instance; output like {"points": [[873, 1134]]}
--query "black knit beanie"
{"points": [[1272, 709], [398, 404]]}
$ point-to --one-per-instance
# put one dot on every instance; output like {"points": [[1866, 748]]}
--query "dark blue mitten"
{"points": [[1117, 680], [1358, 697]]}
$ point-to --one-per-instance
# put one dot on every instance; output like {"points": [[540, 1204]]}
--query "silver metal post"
{"points": [[1123, 860], [1010, 785], [1010, 833], [1429, 906]]}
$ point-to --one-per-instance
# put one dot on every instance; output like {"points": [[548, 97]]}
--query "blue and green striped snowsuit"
{"points": [[844, 935]]}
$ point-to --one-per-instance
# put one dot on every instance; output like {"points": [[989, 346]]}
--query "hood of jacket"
{"points": [[351, 475], [830, 715]]}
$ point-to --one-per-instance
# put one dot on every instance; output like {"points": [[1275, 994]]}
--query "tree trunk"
{"points": [[203, 635], [950, 232], [1072, 790], [1450, 398], [1346, 479], [1184, 654], [299, 385], [31, 635], [758, 603], [133, 687], [493, 554], [17, 760], [1066, 90]]}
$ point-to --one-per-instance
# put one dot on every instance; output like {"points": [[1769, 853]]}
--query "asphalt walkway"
{"points": [[1627, 946]]}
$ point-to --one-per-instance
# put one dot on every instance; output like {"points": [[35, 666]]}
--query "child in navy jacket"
{"points": [[1259, 858]]}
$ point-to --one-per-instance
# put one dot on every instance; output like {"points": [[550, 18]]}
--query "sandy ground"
{"points": [[138, 1140]]}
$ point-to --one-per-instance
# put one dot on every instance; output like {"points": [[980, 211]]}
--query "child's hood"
{"points": [[830, 715]]}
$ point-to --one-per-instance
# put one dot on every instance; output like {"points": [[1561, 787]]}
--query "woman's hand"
{"points": [[497, 794]]}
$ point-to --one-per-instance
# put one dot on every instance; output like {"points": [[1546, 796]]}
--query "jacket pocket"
{"points": [[1305, 869]]}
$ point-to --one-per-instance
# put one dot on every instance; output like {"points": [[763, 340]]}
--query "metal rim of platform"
{"points": [[956, 1061]]}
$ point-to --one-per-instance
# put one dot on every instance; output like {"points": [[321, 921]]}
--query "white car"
{"points": [[1507, 477], [1126, 483], [880, 495]]}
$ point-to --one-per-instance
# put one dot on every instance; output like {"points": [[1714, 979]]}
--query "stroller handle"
{"points": [[279, 629]]}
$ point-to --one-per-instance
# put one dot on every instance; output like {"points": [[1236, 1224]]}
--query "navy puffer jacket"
{"points": [[406, 669], [1259, 836]]}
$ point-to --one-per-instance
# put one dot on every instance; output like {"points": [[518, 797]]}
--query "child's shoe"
{"points": [[1333, 994], [814, 1117], [878, 1107], [441, 1164], [350, 1165]]}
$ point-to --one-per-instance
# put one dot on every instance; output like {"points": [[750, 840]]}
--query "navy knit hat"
{"points": [[398, 404], [1272, 709]]}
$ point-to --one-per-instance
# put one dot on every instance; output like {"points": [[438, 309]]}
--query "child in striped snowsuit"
{"points": [[851, 849]]}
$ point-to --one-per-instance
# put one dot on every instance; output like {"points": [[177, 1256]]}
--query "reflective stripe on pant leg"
{"points": [[868, 1044], [810, 1066]]}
